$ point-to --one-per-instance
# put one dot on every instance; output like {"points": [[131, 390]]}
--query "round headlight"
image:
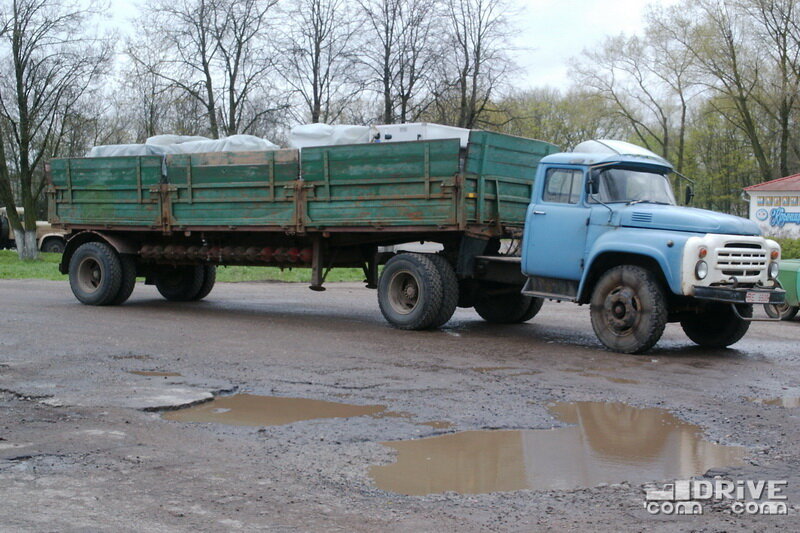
{"points": [[701, 270], [773, 270]]}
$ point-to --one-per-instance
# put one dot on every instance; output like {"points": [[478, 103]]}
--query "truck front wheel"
{"points": [[628, 309], [783, 311], [180, 284], [95, 273], [509, 308], [717, 326], [410, 292]]}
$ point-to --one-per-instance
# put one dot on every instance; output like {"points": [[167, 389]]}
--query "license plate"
{"points": [[753, 297]]}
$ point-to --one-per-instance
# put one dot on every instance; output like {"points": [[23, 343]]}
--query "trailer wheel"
{"points": [[717, 326], [783, 311], [95, 273], [209, 278], [128, 264], [628, 309], [410, 292], [180, 284], [449, 290]]}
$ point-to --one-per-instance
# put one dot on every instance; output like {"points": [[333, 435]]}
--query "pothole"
{"points": [[254, 410], [608, 443], [790, 402]]}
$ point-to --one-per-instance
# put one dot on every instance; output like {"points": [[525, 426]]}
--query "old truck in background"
{"points": [[595, 228], [48, 238]]}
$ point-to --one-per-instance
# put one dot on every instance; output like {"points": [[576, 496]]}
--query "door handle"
{"points": [[539, 213]]}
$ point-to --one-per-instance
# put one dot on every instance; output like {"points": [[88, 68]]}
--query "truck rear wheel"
{"points": [[410, 292], [783, 311], [95, 273], [628, 309], [511, 308], [128, 264], [449, 290], [53, 245], [209, 279], [717, 326], [180, 284]]}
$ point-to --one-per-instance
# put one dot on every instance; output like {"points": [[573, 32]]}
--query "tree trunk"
{"points": [[26, 244]]}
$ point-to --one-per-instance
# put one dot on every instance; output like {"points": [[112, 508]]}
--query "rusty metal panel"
{"points": [[233, 188], [381, 184], [105, 190], [499, 175]]}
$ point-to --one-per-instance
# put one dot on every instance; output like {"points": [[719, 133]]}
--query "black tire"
{"points": [[95, 273], [53, 245], [449, 290], [510, 308], [628, 309], [782, 311], [209, 278], [410, 292], [180, 284], [128, 280], [717, 326]]}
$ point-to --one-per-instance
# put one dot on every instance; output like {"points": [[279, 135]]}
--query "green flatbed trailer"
{"points": [[173, 219], [789, 279]]}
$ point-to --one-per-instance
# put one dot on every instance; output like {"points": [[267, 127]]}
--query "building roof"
{"points": [[789, 183]]}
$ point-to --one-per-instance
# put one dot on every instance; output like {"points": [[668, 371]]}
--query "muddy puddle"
{"points": [[254, 410], [607, 443], [154, 373], [790, 402]]}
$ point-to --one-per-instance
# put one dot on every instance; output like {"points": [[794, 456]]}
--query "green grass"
{"points": [[46, 267]]}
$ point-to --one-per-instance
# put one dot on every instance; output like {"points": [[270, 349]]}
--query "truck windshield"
{"points": [[632, 186]]}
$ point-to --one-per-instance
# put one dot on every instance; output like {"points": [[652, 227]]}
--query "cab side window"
{"points": [[563, 186]]}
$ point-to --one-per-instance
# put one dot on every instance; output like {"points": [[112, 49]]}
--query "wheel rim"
{"points": [[90, 274], [404, 292], [622, 310]]}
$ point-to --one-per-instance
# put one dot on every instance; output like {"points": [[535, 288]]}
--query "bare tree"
{"points": [[51, 59], [476, 62], [216, 52], [318, 57], [401, 47]]}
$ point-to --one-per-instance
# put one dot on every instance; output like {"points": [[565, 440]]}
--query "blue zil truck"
{"points": [[516, 223]]}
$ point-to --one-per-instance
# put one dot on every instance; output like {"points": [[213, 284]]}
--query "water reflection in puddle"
{"points": [[784, 401], [609, 443], [254, 410], [154, 373]]}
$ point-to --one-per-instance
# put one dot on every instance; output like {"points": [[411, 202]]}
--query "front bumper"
{"points": [[738, 295]]}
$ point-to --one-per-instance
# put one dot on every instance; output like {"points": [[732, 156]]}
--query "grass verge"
{"points": [[46, 267]]}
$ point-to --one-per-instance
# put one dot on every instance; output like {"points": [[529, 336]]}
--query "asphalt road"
{"points": [[84, 447]]}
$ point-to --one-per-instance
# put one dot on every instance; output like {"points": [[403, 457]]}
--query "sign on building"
{"points": [[775, 206]]}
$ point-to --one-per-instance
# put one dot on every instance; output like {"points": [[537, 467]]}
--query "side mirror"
{"points": [[592, 185], [688, 195]]}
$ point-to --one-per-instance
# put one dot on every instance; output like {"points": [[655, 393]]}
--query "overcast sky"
{"points": [[556, 30], [550, 31]]}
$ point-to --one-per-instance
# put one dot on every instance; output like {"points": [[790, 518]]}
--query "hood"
{"points": [[675, 218]]}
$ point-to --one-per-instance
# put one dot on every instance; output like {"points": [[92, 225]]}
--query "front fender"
{"points": [[664, 247]]}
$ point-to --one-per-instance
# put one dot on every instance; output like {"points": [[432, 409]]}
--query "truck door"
{"points": [[556, 226]]}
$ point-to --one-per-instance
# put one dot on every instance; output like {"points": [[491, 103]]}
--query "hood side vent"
{"points": [[640, 216]]}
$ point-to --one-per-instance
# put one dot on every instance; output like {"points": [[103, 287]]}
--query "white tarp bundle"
{"points": [[318, 134], [184, 144]]}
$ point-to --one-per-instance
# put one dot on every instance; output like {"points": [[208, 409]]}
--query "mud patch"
{"points": [[154, 373], [608, 443], [588, 374], [254, 410]]}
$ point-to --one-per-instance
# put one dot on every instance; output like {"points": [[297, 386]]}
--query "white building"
{"points": [[775, 206]]}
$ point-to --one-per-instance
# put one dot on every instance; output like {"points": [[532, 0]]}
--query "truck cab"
{"points": [[603, 228]]}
